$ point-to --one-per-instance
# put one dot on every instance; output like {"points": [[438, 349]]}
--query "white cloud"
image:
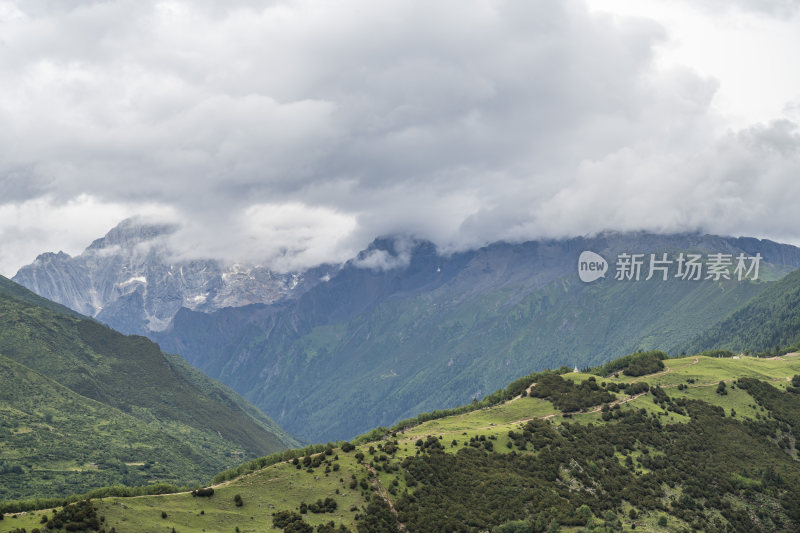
{"points": [[34, 226], [286, 236], [294, 132]]}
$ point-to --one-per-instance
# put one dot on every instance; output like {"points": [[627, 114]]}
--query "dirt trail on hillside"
{"points": [[593, 410], [383, 493]]}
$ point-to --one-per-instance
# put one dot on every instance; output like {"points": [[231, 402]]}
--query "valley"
{"points": [[369, 347]]}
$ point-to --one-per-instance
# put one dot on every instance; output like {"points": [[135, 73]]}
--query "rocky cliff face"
{"points": [[129, 280]]}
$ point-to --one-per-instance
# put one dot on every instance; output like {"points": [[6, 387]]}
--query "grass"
{"points": [[279, 487]]}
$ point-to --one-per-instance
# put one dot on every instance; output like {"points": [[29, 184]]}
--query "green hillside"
{"points": [[84, 406], [703, 444], [769, 322]]}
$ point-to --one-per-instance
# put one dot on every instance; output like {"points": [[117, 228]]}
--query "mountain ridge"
{"points": [[371, 340]]}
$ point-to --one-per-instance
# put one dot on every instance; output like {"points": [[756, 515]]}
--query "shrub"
{"points": [[327, 506], [282, 519]]}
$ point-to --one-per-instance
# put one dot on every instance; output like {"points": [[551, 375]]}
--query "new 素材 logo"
{"points": [[684, 266], [591, 266]]}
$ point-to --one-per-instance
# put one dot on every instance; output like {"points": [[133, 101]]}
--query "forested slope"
{"points": [[123, 401], [768, 323]]}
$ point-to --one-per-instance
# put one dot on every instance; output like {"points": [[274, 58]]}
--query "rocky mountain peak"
{"points": [[130, 232], [139, 289]]}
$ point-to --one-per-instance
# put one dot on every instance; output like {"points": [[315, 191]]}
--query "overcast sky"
{"points": [[290, 133]]}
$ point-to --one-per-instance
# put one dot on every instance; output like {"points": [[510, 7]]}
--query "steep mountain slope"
{"points": [[769, 322], [15, 290], [76, 393], [705, 444], [130, 280], [371, 346]]}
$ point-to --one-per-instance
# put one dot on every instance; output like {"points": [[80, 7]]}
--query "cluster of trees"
{"points": [[667, 403], [291, 522], [80, 516], [310, 462], [635, 364], [328, 505], [377, 518], [568, 396], [430, 442], [645, 363]]}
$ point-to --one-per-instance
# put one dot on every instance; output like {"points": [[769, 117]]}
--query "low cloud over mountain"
{"points": [[293, 133]]}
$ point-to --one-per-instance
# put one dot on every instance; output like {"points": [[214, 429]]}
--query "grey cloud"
{"points": [[774, 8], [296, 132]]}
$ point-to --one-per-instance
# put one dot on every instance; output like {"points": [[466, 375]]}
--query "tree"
{"points": [[585, 514]]}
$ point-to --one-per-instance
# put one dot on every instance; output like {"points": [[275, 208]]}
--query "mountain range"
{"points": [[402, 328], [133, 281]]}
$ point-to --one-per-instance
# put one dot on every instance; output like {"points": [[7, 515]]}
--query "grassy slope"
{"points": [[195, 426], [282, 486]]}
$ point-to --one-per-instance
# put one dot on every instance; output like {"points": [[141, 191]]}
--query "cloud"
{"points": [[43, 225], [775, 8], [287, 236], [294, 132]]}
